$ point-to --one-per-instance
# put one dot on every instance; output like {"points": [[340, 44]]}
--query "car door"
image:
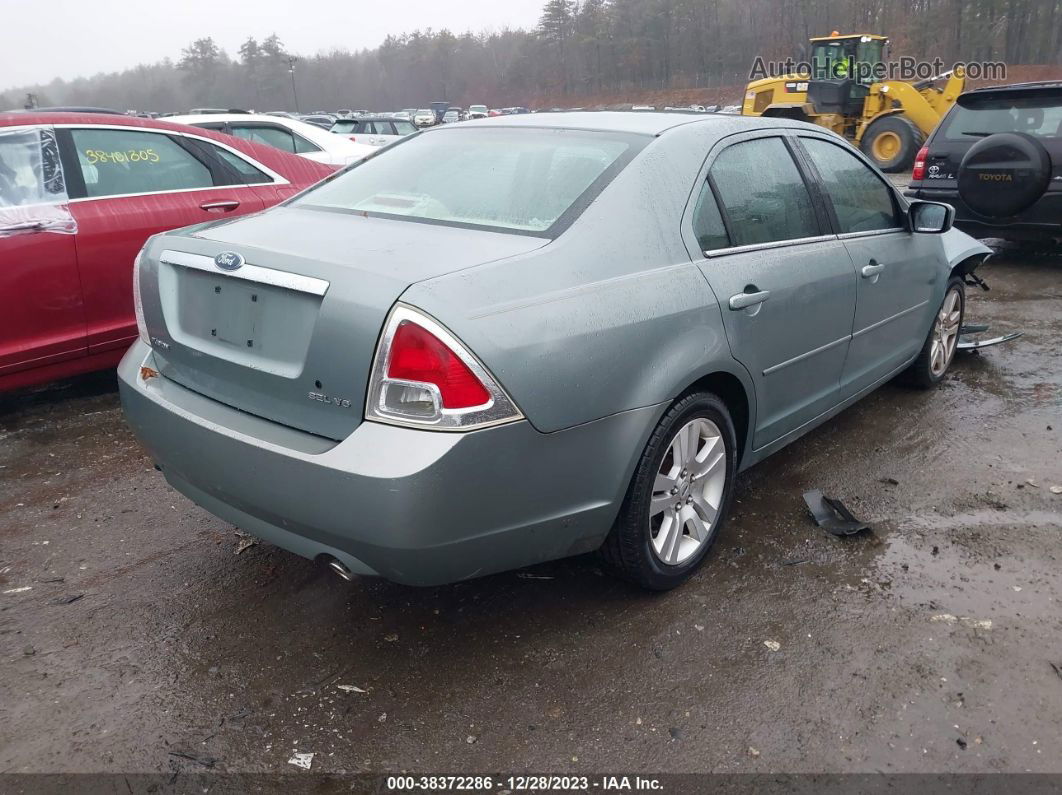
{"points": [[43, 319], [784, 282], [898, 272], [126, 185]]}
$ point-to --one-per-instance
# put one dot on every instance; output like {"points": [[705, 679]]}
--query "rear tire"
{"points": [[892, 143], [677, 500], [940, 346]]}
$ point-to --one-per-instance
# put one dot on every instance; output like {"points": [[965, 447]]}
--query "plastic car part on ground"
{"points": [[831, 514], [968, 341], [33, 194]]}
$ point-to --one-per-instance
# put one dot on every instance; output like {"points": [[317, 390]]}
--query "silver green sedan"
{"points": [[516, 339]]}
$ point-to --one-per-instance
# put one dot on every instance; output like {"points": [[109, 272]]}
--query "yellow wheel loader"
{"points": [[888, 119]]}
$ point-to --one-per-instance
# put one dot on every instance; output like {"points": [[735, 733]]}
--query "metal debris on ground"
{"points": [[351, 689], [968, 337], [831, 514], [773, 645], [973, 623], [301, 760]]}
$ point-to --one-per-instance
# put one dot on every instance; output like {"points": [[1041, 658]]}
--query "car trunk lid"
{"points": [[290, 334]]}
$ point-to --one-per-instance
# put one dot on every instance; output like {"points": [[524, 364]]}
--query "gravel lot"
{"points": [[131, 630]]}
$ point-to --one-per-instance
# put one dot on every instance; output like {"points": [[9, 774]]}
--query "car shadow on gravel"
{"points": [[58, 394]]}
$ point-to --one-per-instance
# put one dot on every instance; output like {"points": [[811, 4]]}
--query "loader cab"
{"points": [[842, 71]]}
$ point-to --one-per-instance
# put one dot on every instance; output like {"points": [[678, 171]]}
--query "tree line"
{"points": [[580, 50]]}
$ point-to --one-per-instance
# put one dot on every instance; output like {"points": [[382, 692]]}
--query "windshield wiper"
{"points": [[978, 134]]}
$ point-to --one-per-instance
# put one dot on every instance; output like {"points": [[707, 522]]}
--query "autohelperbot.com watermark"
{"points": [[907, 69]]}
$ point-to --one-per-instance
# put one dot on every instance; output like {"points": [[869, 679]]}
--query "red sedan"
{"points": [[79, 195]]}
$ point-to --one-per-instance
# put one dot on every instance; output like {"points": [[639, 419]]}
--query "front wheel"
{"points": [[678, 498], [892, 143], [937, 353]]}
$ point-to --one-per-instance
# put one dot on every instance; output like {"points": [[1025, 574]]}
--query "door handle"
{"points": [[226, 205], [871, 270], [747, 299]]}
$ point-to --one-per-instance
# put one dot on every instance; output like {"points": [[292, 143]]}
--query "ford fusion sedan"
{"points": [[79, 195], [574, 368]]}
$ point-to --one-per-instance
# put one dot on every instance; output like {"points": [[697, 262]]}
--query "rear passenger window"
{"points": [[302, 145], [862, 202], [762, 193], [708, 223], [276, 137], [244, 172], [116, 162]]}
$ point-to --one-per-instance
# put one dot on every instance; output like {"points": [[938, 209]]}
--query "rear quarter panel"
{"points": [[610, 316]]}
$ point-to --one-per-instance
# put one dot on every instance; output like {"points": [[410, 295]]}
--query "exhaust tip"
{"points": [[341, 570]]}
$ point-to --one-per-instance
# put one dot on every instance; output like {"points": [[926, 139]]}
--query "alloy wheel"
{"points": [[945, 333], [687, 492]]}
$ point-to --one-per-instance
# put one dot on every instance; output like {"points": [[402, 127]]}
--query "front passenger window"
{"points": [[861, 201], [762, 193]]}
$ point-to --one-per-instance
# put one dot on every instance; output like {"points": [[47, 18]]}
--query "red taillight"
{"points": [[351, 137], [417, 355], [919, 171]]}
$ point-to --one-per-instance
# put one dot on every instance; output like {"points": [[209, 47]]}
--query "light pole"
{"points": [[291, 70]]}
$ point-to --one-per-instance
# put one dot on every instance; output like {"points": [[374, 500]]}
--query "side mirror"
{"points": [[932, 218]]}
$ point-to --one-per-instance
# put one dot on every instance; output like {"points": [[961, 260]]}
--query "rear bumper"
{"points": [[1042, 220], [416, 507]]}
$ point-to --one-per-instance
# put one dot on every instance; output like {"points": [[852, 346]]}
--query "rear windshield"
{"points": [[344, 126], [524, 180], [1040, 116]]}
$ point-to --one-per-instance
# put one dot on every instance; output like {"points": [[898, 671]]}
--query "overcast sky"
{"points": [[44, 39]]}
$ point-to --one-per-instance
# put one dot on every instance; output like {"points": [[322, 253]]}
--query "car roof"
{"points": [[1039, 84], [19, 118], [642, 122]]}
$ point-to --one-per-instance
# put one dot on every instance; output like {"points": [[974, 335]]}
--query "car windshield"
{"points": [[345, 126], [979, 117], [524, 180]]}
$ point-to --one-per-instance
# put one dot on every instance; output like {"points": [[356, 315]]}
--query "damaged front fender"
{"points": [[963, 251]]}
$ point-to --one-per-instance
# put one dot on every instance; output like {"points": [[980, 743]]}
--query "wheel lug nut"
{"points": [[689, 500], [674, 490]]}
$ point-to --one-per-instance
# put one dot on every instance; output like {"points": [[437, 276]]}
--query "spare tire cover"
{"points": [[1003, 174]]}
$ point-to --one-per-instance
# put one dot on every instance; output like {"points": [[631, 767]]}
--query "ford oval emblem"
{"points": [[229, 261]]}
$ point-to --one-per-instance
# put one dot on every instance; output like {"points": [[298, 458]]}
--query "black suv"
{"points": [[997, 158]]}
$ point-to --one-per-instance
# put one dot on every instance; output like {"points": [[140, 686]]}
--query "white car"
{"points": [[373, 130], [477, 111], [424, 117], [290, 135]]}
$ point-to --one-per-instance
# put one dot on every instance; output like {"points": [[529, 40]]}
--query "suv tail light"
{"points": [[422, 376], [138, 302], [919, 171]]}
